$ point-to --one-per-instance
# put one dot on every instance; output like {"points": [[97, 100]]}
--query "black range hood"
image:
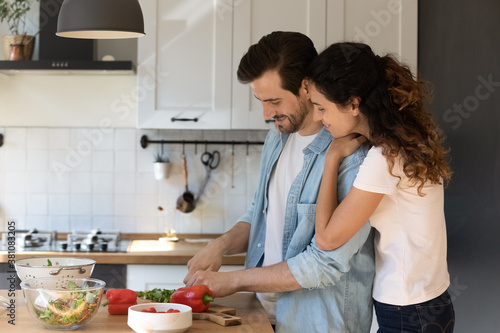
{"points": [[59, 55]]}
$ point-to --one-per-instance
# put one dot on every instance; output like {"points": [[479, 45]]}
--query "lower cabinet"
{"points": [[147, 277]]}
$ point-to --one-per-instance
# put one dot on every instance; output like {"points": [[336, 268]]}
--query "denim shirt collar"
{"points": [[318, 145]]}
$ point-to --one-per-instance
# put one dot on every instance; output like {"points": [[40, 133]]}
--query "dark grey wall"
{"points": [[459, 52]]}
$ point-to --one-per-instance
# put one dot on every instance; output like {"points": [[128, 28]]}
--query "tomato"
{"points": [[151, 310]]}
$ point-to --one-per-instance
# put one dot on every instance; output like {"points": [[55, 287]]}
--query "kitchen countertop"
{"points": [[247, 307], [141, 252]]}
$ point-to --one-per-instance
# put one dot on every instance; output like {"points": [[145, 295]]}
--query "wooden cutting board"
{"points": [[218, 314]]}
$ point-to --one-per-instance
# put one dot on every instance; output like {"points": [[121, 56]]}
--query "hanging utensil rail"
{"points": [[145, 141]]}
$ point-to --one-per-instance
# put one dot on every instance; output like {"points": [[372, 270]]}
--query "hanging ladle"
{"points": [[186, 202]]}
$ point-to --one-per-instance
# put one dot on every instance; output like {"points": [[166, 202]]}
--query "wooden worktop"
{"points": [[141, 252], [247, 307]]}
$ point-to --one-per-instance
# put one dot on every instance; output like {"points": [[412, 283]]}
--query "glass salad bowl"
{"points": [[63, 304]]}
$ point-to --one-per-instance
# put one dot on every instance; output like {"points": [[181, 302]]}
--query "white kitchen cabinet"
{"points": [[147, 277], [192, 48], [388, 26], [184, 65]]}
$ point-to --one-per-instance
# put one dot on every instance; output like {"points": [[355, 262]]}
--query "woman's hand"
{"points": [[345, 146]]}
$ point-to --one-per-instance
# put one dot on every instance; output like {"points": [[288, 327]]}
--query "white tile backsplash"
{"points": [[103, 161], [38, 182], [58, 204], [37, 138], [86, 178], [58, 138]]}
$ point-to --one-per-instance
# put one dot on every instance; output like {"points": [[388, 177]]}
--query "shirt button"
{"points": [[259, 245]]}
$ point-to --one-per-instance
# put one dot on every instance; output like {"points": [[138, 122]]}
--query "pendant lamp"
{"points": [[100, 19]]}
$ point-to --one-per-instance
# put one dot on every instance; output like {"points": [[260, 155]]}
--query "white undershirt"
{"points": [[410, 245], [288, 167]]}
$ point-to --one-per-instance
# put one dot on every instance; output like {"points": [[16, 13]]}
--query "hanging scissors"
{"points": [[210, 160]]}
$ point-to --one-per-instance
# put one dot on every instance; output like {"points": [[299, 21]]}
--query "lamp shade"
{"points": [[100, 19]]}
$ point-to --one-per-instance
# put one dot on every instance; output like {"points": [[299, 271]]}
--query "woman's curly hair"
{"points": [[392, 101]]}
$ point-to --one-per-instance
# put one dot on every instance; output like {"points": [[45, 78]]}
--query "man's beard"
{"points": [[295, 120]]}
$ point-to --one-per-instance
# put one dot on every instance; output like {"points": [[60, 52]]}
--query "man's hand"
{"points": [[208, 259], [220, 283]]}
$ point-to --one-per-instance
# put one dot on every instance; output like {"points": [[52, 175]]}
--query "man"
{"points": [[302, 288]]}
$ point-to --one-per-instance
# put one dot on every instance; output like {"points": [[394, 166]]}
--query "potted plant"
{"points": [[14, 13], [161, 166]]}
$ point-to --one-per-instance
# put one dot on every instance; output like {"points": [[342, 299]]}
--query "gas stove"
{"points": [[76, 241], [95, 240]]}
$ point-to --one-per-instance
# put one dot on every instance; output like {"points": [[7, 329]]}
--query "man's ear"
{"points": [[305, 85]]}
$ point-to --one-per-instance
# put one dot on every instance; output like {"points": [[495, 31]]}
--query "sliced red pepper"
{"points": [[120, 300], [197, 297]]}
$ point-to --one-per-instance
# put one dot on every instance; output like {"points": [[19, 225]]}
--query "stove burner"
{"points": [[81, 241], [95, 240]]}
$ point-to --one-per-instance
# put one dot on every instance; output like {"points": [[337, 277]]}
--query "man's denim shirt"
{"points": [[337, 284]]}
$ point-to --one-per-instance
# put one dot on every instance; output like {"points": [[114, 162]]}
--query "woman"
{"points": [[399, 187]]}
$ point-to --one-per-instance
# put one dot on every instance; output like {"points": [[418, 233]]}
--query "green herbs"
{"points": [[156, 295], [49, 263]]}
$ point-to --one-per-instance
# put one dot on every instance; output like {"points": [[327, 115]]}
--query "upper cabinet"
{"points": [[187, 61], [184, 65]]}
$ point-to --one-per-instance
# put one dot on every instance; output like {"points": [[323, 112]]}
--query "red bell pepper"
{"points": [[120, 300], [197, 297]]}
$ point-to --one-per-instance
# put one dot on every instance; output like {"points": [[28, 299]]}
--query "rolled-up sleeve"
{"points": [[315, 268]]}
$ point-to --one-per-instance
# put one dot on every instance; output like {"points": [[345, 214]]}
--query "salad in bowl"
{"points": [[65, 304]]}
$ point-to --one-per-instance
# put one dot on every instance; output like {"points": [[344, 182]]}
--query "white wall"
{"points": [[86, 178]]}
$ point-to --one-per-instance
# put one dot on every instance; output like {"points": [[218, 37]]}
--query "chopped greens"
{"points": [[49, 263], [70, 308], [156, 295]]}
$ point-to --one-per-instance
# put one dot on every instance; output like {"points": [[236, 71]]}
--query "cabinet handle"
{"points": [[270, 121], [184, 119]]}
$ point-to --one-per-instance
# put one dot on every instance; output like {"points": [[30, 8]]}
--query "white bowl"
{"points": [[62, 267], [146, 322]]}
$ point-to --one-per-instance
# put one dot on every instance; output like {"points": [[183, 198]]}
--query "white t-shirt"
{"points": [[410, 245], [287, 168]]}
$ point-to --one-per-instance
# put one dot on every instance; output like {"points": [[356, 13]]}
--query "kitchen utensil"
{"points": [[186, 202], [159, 322], [62, 267], [219, 314], [65, 304], [210, 161]]}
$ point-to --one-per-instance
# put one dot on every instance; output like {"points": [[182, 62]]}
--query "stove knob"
{"points": [[90, 247], [78, 246], [103, 246], [64, 246]]}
